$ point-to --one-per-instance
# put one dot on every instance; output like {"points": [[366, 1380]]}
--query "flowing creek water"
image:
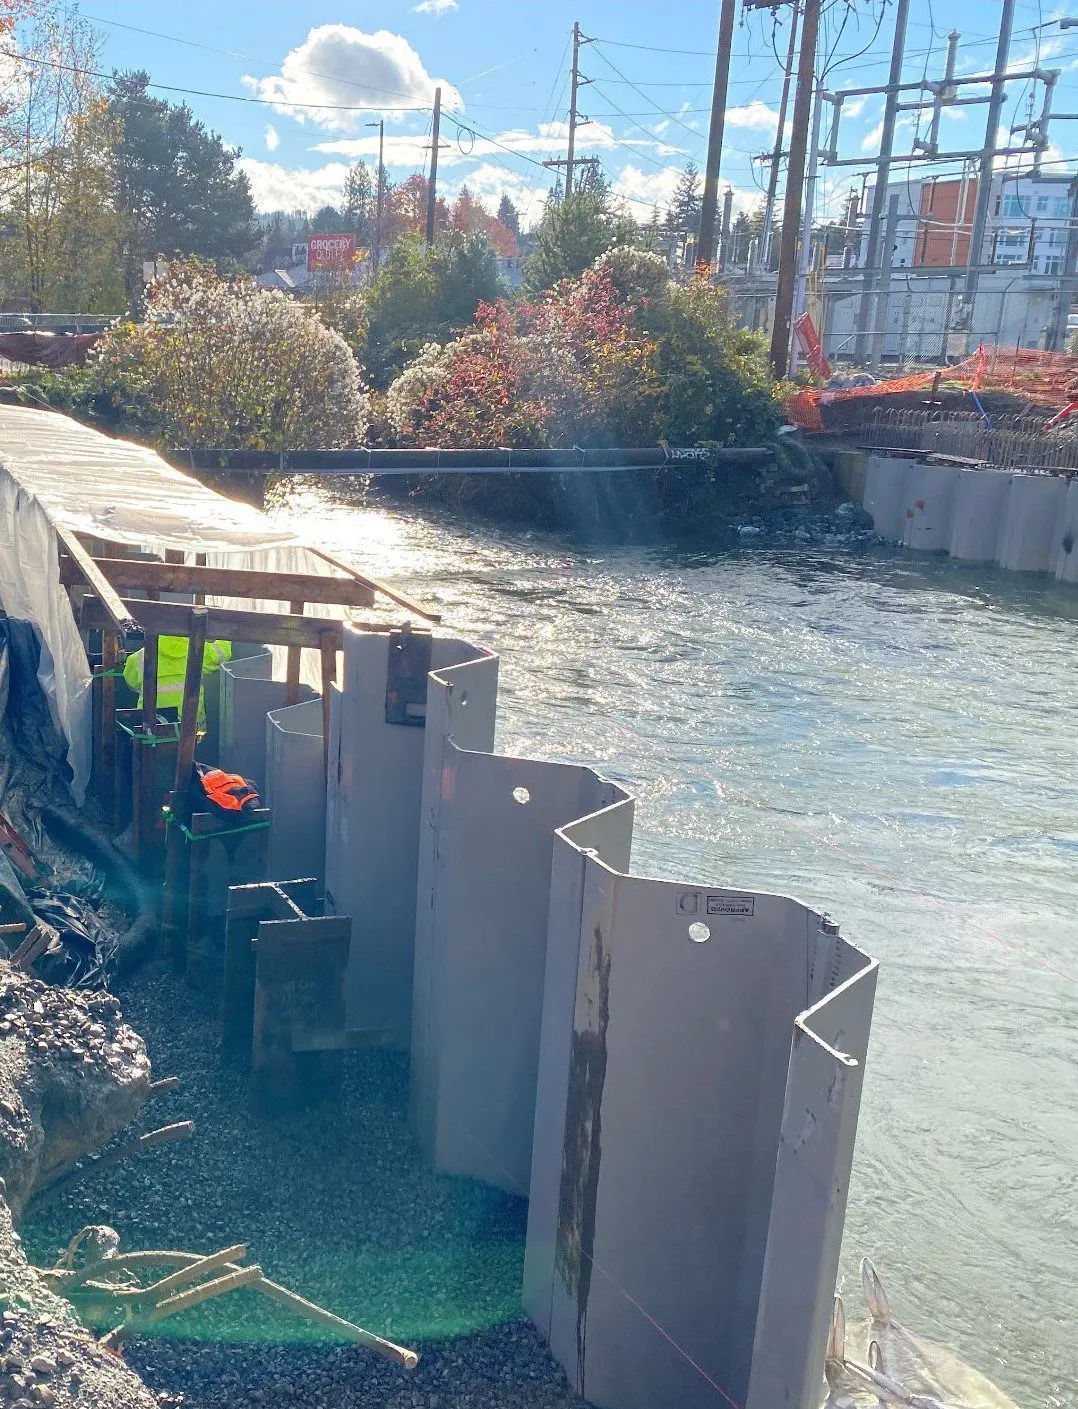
{"points": [[889, 738]]}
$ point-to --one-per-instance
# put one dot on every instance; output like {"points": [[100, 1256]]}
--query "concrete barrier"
{"points": [[1066, 542], [929, 498], [980, 503], [885, 494], [1034, 507], [700, 1074]]}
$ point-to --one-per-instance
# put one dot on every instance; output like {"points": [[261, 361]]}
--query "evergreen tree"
{"points": [[174, 184], [328, 221], [683, 217], [571, 236], [359, 203], [509, 215]]}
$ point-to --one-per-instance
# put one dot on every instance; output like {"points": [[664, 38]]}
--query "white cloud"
{"points": [[338, 66], [436, 7], [755, 114], [645, 188], [275, 187], [273, 141]]}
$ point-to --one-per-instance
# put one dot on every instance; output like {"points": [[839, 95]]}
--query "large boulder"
{"points": [[72, 1074]]}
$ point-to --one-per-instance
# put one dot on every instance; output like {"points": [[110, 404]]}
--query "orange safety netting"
{"points": [[1049, 378]]}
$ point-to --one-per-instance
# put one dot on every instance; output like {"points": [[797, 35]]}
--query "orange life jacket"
{"points": [[231, 792]]}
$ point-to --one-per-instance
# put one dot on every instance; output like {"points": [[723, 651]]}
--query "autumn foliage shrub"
{"points": [[222, 364]]}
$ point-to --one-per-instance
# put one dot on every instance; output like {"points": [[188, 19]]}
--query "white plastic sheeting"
{"points": [[56, 473]]}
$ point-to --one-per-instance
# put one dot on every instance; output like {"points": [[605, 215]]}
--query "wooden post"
{"points": [[328, 652], [200, 562], [185, 759], [106, 724], [291, 695]]}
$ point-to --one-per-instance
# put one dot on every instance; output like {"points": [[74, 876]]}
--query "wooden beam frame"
{"points": [[267, 628], [401, 599], [120, 619], [134, 575]]}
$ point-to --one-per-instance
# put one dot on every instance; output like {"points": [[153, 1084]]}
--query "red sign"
{"points": [[809, 342], [331, 251]]}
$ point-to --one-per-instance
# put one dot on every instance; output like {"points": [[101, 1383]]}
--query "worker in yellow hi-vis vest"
{"points": [[172, 669]]}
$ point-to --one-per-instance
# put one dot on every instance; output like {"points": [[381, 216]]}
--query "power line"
{"points": [[36, 62]]}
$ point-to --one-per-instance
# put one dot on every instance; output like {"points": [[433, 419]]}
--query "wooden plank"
{"points": [[269, 628], [149, 680], [185, 761], [418, 608], [120, 617], [126, 575], [291, 679]]}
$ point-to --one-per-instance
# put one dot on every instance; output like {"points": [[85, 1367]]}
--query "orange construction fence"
{"points": [[1047, 378]]}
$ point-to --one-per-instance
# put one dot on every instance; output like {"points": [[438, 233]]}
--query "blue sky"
{"points": [[503, 66]]}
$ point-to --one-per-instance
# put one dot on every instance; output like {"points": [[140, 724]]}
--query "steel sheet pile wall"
{"points": [[1067, 549], [373, 819], [929, 493], [248, 694], [885, 494], [481, 938], [700, 1077], [980, 501], [671, 1072], [296, 792], [1034, 506]]}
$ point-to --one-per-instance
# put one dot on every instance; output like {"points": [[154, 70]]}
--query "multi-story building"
{"points": [[1027, 271]]}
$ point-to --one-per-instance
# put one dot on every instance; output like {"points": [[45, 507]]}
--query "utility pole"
{"points": [[764, 251], [705, 245], [984, 171], [380, 193], [795, 180], [577, 81], [432, 185], [865, 312], [804, 268]]}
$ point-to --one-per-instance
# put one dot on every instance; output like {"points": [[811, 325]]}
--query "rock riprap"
{"points": [[72, 1074]]}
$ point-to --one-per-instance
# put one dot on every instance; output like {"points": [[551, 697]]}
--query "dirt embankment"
{"points": [[72, 1074]]}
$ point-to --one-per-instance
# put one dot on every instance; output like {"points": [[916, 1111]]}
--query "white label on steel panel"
{"points": [[735, 907]]}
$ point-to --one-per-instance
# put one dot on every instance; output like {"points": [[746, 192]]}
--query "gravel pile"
{"points": [[334, 1202]]}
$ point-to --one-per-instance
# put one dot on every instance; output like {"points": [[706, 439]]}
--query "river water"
{"points": [[894, 740]]}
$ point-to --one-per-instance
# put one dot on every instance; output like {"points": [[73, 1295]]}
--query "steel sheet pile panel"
{"points": [[484, 888], [1065, 542], [686, 1104], [1034, 507], [373, 819], [929, 492], [980, 507], [885, 495], [296, 792], [248, 694]]}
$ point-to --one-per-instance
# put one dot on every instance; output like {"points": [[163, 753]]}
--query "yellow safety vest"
{"points": [[172, 670]]}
